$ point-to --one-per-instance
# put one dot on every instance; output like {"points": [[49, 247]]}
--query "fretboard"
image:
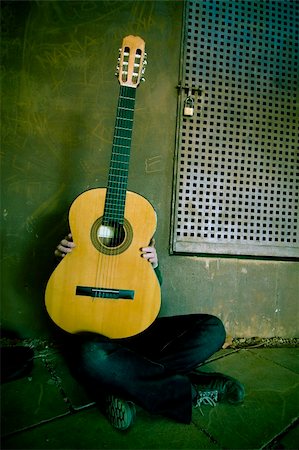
{"points": [[120, 157]]}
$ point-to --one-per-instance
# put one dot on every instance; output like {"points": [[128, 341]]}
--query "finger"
{"points": [[63, 249], [66, 243], [59, 254], [148, 256], [148, 249]]}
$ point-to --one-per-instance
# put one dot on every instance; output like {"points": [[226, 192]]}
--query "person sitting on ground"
{"points": [[155, 369]]}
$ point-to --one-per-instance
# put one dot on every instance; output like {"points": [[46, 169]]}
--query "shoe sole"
{"points": [[120, 413]]}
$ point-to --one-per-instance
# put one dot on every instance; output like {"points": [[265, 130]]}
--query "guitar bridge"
{"points": [[113, 294]]}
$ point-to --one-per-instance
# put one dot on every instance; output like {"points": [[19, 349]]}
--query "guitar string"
{"points": [[102, 273], [116, 190], [116, 184], [106, 272], [128, 102], [126, 112]]}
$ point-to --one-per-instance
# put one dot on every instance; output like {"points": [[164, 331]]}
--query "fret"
{"points": [[119, 192], [125, 108], [126, 103], [122, 137], [112, 212], [124, 114], [116, 194], [120, 156], [124, 118], [126, 98], [123, 146], [116, 167], [124, 140], [123, 173], [116, 188], [112, 206], [114, 209], [119, 161], [122, 165], [117, 178], [117, 182], [121, 133], [115, 218], [121, 128], [119, 168]]}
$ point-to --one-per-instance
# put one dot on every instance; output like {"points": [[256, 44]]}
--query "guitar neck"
{"points": [[120, 157]]}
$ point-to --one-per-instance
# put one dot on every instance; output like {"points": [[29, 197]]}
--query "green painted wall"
{"points": [[59, 102]]}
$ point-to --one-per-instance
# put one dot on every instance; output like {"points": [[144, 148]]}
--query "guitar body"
{"points": [[80, 294]]}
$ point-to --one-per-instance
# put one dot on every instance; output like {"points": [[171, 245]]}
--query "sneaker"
{"points": [[120, 413], [218, 387], [206, 398]]}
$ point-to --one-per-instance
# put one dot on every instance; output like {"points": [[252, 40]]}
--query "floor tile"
{"points": [[288, 357], [90, 430], [271, 402], [31, 399], [290, 440], [74, 391]]}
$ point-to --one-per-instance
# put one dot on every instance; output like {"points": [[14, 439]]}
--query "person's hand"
{"points": [[150, 253], [65, 246]]}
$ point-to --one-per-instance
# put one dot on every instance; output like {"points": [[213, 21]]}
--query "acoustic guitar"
{"points": [[104, 285]]}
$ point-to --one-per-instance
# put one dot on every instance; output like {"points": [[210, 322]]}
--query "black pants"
{"points": [[151, 368]]}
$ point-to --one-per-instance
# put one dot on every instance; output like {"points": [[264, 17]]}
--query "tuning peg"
{"points": [[142, 79]]}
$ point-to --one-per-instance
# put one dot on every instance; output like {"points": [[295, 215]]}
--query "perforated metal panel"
{"points": [[237, 180]]}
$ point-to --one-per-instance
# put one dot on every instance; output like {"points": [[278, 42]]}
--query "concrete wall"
{"points": [[58, 114]]}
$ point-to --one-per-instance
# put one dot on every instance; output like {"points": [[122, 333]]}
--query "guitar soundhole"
{"points": [[111, 238], [111, 235]]}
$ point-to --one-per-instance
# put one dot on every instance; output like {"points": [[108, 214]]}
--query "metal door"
{"points": [[236, 176]]}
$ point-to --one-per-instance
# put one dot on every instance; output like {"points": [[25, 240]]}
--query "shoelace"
{"points": [[206, 398]]}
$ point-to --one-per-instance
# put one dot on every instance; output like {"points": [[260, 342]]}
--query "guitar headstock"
{"points": [[131, 61]]}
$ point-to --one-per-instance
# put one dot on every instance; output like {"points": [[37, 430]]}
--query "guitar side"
{"points": [[120, 270]]}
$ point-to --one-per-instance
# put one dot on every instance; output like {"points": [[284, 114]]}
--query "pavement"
{"points": [[48, 409]]}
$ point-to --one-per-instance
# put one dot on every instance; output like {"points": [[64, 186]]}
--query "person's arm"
{"points": [[159, 275]]}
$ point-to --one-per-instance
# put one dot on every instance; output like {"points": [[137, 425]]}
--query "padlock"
{"points": [[189, 106]]}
